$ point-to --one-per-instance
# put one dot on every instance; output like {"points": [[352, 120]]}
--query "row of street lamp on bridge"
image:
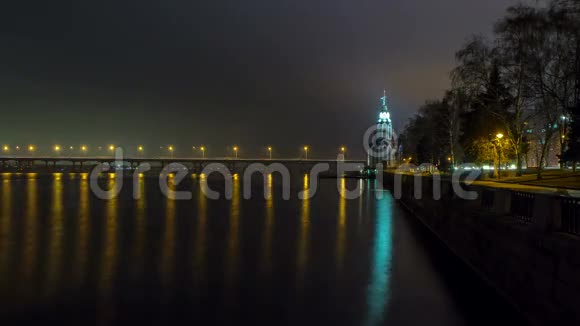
{"points": [[140, 149]]}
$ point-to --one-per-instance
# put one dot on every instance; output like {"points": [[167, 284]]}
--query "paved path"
{"points": [[530, 188]]}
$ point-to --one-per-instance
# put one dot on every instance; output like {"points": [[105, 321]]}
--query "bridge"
{"points": [[195, 164]]}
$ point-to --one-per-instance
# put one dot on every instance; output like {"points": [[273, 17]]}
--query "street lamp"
{"points": [[31, 148], [236, 151], [5, 148], [112, 148], [306, 151], [83, 149], [170, 148], [499, 136], [57, 149], [140, 149], [343, 151], [270, 151], [202, 151]]}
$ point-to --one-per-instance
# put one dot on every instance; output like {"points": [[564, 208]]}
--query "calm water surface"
{"points": [[69, 257]]}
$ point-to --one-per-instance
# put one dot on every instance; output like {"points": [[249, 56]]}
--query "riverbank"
{"points": [[525, 244]]}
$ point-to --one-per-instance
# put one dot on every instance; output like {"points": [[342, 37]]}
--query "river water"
{"points": [[68, 257]]}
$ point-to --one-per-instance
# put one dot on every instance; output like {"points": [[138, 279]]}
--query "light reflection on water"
{"points": [[55, 236], [30, 246], [203, 259], [341, 227], [378, 290], [6, 232], [304, 236], [266, 260]]}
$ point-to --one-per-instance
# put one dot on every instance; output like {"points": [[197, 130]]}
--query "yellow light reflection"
{"points": [[56, 236], [109, 258], [6, 233], [303, 241], [138, 264], [200, 250], [341, 228], [268, 229], [29, 256], [83, 234]]}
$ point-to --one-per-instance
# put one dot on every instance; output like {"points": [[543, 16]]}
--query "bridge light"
{"points": [[236, 151], [111, 147], [17, 148], [84, 148], [6, 148], [202, 151], [71, 148], [306, 151], [171, 148], [140, 148], [270, 151], [57, 148], [31, 148]]}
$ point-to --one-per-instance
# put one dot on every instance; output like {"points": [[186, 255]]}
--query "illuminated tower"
{"points": [[383, 142]]}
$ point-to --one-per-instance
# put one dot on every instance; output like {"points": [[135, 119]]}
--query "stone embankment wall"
{"points": [[525, 244]]}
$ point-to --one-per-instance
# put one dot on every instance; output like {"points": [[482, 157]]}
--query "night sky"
{"points": [[251, 73]]}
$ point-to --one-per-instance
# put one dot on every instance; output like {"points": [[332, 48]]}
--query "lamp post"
{"points": [[140, 150], [270, 151], [202, 151], [31, 149], [57, 149], [170, 148], [343, 151], [236, 151], [84, 149], [499, 136], [306, 152]]}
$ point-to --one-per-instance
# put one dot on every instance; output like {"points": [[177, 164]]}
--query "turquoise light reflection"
{"points": [[378, 290]]}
